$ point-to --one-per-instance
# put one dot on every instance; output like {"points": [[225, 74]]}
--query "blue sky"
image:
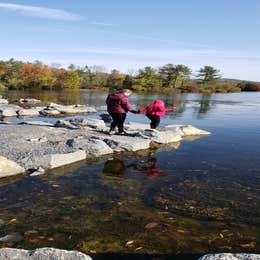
{"points": [[128, 35]]}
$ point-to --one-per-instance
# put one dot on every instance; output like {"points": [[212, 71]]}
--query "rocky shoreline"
{"points": [[36, 146]]}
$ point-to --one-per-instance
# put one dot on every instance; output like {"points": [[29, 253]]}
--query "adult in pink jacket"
{"points": [[155, 111], [117, 106]]}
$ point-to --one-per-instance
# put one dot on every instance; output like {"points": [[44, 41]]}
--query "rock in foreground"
{"points": [[230, 256], [9, 168], [41, 254]]}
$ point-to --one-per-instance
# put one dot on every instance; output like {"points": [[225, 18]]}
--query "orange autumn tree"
{"points": [[36, 76]]}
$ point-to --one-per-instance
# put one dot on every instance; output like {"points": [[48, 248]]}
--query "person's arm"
{"points": [[169, 108], [141, 109], [125, 104]]}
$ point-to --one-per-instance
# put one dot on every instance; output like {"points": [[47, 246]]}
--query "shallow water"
{"points": [[195, 197]]}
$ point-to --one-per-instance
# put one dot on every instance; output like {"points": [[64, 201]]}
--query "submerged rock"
{"points": [[11, 238], [42, 254]]}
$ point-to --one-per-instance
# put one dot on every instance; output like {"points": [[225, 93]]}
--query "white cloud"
{"points": [[104, 24], [42, 12]]}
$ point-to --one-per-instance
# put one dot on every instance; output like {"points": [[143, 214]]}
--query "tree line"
{"points": [[176, 78]]}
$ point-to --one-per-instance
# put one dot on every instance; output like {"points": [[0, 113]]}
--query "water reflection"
{"points": [[115, 167], [147, 166]]}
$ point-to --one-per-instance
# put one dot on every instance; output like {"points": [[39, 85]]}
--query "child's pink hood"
{"points": [[157, 108]]}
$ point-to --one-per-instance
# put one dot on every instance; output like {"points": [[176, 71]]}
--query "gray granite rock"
{"points": [[230, 256], [28, 112], [3, 101], [93, 146], [41, 254], [127, 143], [51, 161]]}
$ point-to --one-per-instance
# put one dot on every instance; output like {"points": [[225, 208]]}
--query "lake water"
{"points": [[194, 197]]}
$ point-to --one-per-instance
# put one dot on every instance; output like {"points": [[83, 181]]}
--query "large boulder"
{"points": [[230, 256], [9, 168], [41, 254]]}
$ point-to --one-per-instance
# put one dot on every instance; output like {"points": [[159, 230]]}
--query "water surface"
{"points": [[193, 197]]}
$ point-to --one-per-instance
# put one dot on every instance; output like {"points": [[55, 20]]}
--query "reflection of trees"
{"points": [[205, 105]]}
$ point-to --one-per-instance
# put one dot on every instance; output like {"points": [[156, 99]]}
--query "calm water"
{"points": [[195, 197]]}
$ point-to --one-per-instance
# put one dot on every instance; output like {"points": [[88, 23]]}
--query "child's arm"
{"points": [[141, 109], [169, 108]]}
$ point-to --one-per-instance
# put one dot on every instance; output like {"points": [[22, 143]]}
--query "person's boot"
{"points": [[111, 131]]}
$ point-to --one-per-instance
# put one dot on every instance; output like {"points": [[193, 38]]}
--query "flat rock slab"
{"points": [[9, 168], [41, 254], [40, 144], [51, 161], [230, 256], [127, 143]]}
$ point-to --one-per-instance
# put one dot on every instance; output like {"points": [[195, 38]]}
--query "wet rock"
{"points": [[11, 238], [42, 254], [9, 168], [230, 256]]}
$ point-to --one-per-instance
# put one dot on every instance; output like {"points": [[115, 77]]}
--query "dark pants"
{"points": [[118, 120], [155, 121]]}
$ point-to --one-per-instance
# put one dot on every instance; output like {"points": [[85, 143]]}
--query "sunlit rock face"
{"points": [[9, 168]]}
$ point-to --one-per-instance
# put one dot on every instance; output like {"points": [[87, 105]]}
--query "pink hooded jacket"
{"points": [[118, 103], [157, 108]]}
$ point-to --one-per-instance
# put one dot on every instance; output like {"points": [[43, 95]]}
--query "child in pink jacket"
{"points": [[155, 111]]}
